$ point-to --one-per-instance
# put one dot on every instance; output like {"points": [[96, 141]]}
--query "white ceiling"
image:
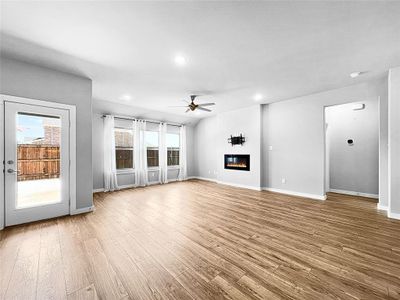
{"points": [[233, 49]]}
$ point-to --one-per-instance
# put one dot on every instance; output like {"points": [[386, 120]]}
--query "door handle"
{"points": [[11, 171]]}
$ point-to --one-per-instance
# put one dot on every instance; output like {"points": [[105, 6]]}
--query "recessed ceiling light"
{"points": [[258, 97], [355, 74], [180, 60], [125, 97]]}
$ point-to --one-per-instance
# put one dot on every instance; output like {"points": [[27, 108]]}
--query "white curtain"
{"points": [[140, 152], [110, 168], [182, 154], [163, 152]]}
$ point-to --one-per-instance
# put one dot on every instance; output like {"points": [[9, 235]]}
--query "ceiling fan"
{"points": [[191, 106]]}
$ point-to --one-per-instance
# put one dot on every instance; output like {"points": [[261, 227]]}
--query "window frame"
{"points": [[127, 170], [153, 168], [172, 167]]}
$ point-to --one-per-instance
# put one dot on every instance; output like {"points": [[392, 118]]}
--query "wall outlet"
{"points": [[283, 180], [270, 148]]}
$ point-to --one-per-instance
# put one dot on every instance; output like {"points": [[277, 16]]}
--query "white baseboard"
{"points": [[393, 215], [227, 183], [381, 207], [375, 196], [127, 186], [239, 185], [204, 178], [194, 177], [82, 210], [292, 193]]}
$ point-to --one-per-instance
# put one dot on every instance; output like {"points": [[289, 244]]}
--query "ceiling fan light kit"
{"points": [[193, 106]]}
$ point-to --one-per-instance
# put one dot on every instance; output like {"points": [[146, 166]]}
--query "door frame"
{"points": [[326, 154], [72, 147]]}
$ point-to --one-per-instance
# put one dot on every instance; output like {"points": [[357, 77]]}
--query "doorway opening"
{"points": [[352, 148]]}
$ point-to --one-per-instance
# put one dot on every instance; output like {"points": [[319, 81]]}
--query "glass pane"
{"points": [[172, 140], [173, 156], [38, 155], [151, 142], [152, 157], [124, 148]]}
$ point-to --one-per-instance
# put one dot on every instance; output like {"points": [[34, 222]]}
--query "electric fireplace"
{"points": [[237, 162]]}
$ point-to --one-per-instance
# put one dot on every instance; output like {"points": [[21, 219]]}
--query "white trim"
{"points": [[298, 194], [175, 167], [126, 171], [153, 183], [239, 185], [153, 169], [72, 157], [381, 207], [82, 210], [31, 101], [126, 186], [352, 193], [72, 145], [393, 215], [2, 185], [203, 178], [121, 187], [173, 180], [226, 183]]}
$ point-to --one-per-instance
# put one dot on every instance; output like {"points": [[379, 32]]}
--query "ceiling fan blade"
{"points": [[202, 108], [186, 101], [187, 110], [207, 104], [179, 106]]}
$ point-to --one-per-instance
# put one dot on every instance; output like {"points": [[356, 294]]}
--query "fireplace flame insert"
{"points": [[237, 162]]}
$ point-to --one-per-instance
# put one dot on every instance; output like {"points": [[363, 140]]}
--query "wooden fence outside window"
{"points": [[38, 162]]}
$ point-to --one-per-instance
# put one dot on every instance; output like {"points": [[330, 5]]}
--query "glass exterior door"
{"points": [[36, 162]]}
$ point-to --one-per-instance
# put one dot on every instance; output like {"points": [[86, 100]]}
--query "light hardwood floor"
{"points": [[200, 240]]}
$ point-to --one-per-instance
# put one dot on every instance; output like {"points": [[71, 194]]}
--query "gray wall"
{"points": [[97, 150], [205, 137], [383, 146], [295, 131], [211, 143], [190, 151], [394, 142], [353, 168], [31, 81]]}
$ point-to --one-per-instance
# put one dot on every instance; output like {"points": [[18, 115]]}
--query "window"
{"points": [[124, 148], [172, 140], [151, 141]]}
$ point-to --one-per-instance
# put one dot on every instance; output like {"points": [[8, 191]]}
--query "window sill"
{"points": [[125, 171], [153, 168], [158, 168], [174, 167]]}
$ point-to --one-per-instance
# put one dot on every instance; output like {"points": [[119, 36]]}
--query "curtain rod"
{"points": [[150, 121]]}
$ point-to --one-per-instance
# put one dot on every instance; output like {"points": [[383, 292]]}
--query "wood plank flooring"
{"points": [[201, 240]]}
